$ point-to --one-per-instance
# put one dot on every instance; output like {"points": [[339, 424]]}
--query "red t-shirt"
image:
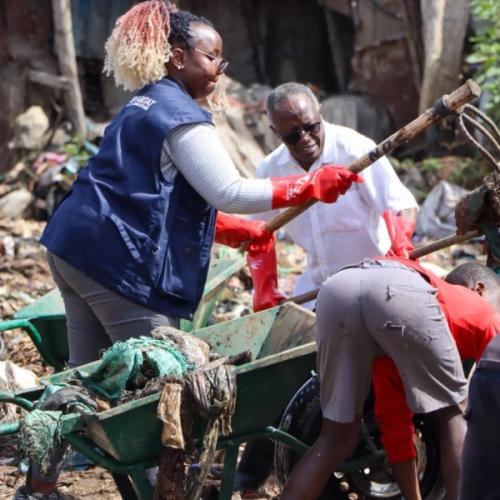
{"points": [[473, 323]]}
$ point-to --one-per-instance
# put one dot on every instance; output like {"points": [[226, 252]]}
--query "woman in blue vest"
{"points": [[129, 247]]}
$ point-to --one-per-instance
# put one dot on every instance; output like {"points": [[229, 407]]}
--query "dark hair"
{"points": [[470, 273], [287, 90], [180, 22]]}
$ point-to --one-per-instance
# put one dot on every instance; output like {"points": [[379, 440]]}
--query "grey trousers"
{"points": [[383, 307], [97, 317]]}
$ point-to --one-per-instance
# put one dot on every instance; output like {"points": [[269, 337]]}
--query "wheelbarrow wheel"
{"points": [[302, 419]]}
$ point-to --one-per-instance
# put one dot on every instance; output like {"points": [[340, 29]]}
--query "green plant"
{"points": [[486, 52]]}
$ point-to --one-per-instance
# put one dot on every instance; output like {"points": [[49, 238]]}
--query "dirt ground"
{"points": [[93, 484]]}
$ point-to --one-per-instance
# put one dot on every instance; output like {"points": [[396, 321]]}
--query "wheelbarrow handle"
{"points": [[10, 397], [9, 428], [12, 324], [32, 331], [444, 106]]}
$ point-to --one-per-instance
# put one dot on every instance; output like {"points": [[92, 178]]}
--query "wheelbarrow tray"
{"points": [[45, 319]]}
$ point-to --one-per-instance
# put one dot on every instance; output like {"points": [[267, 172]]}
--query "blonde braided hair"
{"points": [[138, 47]]}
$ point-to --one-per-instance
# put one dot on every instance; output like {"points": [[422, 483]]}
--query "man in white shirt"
{"points": [[333, 235], [338, 234]]}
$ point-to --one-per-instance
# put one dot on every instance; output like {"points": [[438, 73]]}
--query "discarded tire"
{"points": [[302, 419]]}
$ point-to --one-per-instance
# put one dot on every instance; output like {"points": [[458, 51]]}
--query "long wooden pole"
{"points": [[443, 243], [65, 49], [415, 254], [446, 105]]}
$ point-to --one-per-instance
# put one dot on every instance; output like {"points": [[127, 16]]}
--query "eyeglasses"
{"points": [[222, 65], [294, 137]]}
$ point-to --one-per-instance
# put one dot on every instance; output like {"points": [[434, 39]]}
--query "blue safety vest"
{"points": [[127, 227]]}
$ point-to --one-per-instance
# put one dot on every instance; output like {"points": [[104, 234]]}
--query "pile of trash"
{"points": [[24, 273], [49, 155], [48, 160], [192, 379]]}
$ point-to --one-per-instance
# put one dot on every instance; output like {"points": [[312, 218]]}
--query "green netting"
{"points": [[39, 434], [123, 361]]}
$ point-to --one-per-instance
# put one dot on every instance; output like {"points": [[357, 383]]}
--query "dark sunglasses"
{"points": [[294, 137], [221, 65]]}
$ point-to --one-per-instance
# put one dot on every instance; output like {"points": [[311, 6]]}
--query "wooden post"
{"points": [[409, 8], [65, 50], [444, 25]]}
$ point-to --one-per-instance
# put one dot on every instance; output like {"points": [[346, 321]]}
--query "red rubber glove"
{"points": [[234, 231], [400, 231], [261, 258], [325, 184]]}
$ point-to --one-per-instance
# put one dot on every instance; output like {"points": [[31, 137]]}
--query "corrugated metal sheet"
{"points": [[93, 21], [378, 21], [385, 72]]}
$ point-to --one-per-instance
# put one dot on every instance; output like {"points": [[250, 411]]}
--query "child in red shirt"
{"points": [[473, 323]]}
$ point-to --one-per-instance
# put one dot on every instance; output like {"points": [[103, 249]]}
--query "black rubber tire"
{"points": [[302, 419]]}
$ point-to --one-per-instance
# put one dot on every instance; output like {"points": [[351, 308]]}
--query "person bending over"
{"points": [[390, 306], [473, 322]]}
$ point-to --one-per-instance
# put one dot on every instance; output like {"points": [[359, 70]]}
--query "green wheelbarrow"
{"points": [[280, 340], [125, 440], [45, 319]]}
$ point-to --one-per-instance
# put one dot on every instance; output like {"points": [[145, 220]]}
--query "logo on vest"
{"points": [[141, 101]]}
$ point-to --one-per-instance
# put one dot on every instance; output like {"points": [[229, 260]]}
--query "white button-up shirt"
{"points": [[337, 234]]}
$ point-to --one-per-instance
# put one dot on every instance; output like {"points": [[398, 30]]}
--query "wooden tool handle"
{"points": [[444, 106], [443, 243], [415, 254]]}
